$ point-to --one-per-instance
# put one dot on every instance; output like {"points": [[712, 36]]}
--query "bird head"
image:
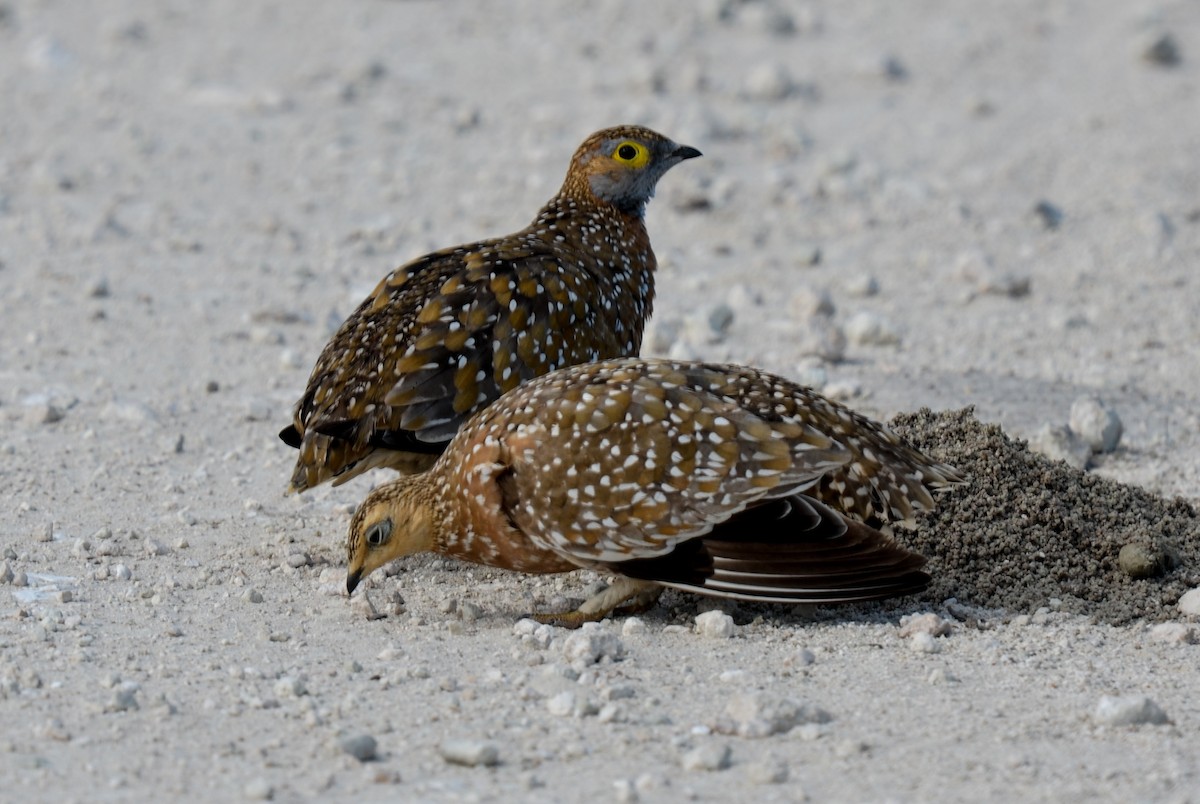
{"points": [[392, 522], [622, 165]]}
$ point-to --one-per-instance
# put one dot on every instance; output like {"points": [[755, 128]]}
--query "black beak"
{"points": [[352, 580], [685, 152]]}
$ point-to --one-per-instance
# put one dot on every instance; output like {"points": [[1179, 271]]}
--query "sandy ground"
{"points": [[192, 195]]}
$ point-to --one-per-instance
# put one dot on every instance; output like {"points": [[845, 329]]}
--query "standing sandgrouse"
{"points": [[718, 479], [445, 335]]}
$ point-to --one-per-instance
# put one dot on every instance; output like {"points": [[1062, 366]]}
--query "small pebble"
{"points": [[633, 626], [927, 623], [769, 82], [290, 687], [714, 624], [590, 644], [807, 254], [360, 746], [124, 698], [893, 69], [153, 547], [1145, 560], [768, 17], [1129, 710], [977, 267], [708, 758], [808, 302], [850, 748], [939, 675], [769, 770], [1189, 603], [1058, 443], [6, 573], [1096, 424], [561, 705], [865, 328], [45, 533], [923, 642], [258, 790], [801, 658], [625, 792], [862, 286], [1163, 51], [121, 573], [1048, 214], [297, 560], [757, 714], [720, 319], [471, 753]]}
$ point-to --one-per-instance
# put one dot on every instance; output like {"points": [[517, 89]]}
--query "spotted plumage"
{"points": [[720, 479], [446, 334]]}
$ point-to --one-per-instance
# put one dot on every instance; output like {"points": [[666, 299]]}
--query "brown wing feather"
{"points": [[488, 317], [789, 550], [688, 459]]}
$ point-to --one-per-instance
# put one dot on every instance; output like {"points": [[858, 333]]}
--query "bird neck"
{"points": [[576, 201]]}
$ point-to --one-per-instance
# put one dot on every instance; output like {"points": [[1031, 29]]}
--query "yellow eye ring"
{"points": [[631, 153]]}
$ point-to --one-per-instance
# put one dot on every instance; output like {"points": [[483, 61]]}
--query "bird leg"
{"points": [[623, 597]]}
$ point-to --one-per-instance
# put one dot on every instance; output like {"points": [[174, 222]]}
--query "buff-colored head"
{"points": [[622, 165], [393, 521]]}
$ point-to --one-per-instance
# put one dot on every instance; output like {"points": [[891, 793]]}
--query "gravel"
{"points": [[242, 181]]}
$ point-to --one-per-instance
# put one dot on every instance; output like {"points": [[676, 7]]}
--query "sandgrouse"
{"points": [[717, 479], [445, 335]]}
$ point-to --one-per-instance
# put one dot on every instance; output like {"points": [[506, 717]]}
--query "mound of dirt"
{"points": [[1027, 530]]}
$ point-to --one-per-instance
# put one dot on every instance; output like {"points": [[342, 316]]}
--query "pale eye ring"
{"points": [[631, 153], [379, 533]]}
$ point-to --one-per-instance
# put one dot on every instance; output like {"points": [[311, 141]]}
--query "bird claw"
{"points": [[568, 619], [641, 600]]}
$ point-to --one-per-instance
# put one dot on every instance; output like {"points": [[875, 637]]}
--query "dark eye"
{"points": [[627, 152], [379, 533]]}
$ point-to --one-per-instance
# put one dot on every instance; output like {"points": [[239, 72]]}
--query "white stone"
{"points": [[633, 626], [707, 757], [927, 623], [591, 644], [756, 714], [1059, 444], [1189, 603], [1097, 425], [863, 285], [290, 687], [807, 302], [865, 328], [769, 82], [715, 624], [1129, 710], [923, 642], [820, 337], [471, 753]]}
